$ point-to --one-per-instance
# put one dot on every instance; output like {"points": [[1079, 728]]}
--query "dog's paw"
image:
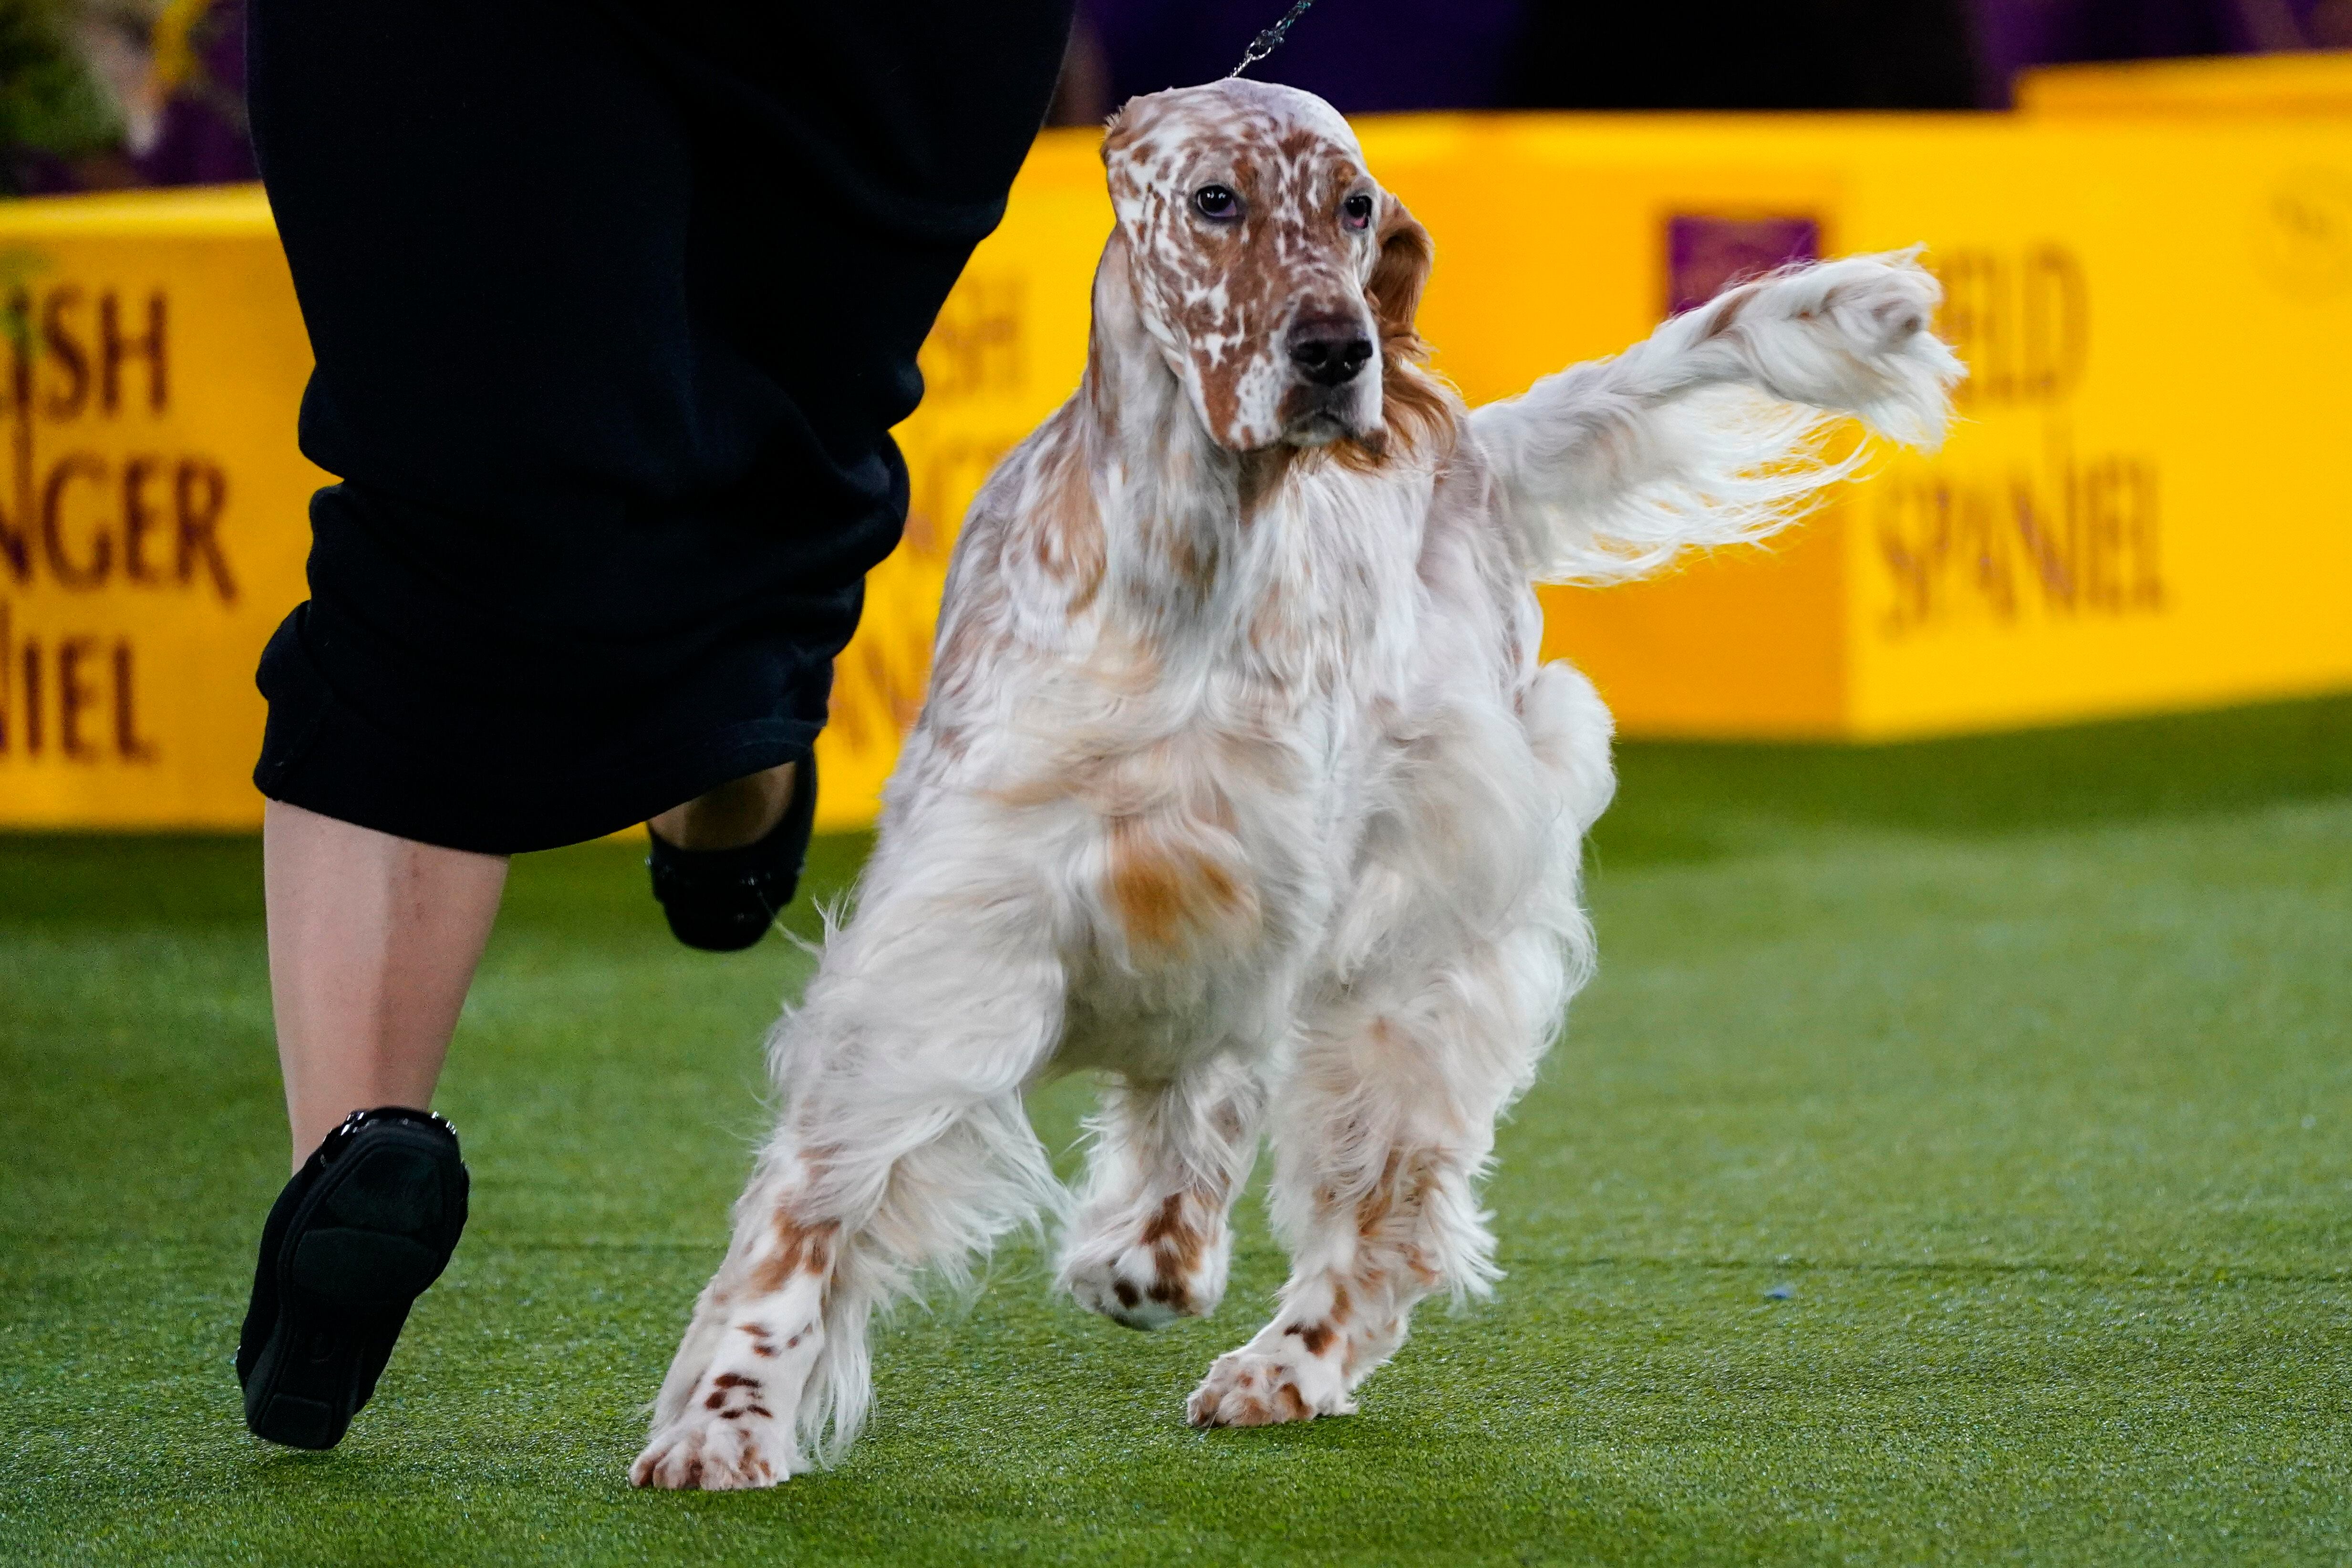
{"points": [[1854, 336], [1883, 306], [1869, 306], [725, 1441], [1172, 1266], [1260, 1388]]}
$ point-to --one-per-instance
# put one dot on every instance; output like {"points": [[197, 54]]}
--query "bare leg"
{"points": [[373, 944], [739, 812], [373, 941]]}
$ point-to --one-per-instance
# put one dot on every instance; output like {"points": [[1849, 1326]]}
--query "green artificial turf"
{"points": [[1953, 1163]]}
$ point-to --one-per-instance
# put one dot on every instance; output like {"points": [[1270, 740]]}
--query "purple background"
{"points": [[1704, 254]]}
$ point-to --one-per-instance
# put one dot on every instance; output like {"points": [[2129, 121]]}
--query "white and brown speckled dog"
{"points": [[1239, 781]]}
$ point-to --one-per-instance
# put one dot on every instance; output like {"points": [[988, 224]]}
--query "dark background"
{"points": [[98, 94]]}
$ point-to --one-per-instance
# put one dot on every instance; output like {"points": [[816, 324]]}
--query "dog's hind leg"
{"points": [[1150, 1243], [903, 1146], [1380, 1134]]}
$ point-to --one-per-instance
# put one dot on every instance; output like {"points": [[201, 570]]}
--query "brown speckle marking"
{"points": [[1728, 317], [1177, 1245], [1066, 536], [1292, 1403], [1167, 1222], [1127, 1294], [1160, 889], [799, 1248], [1262, 477], [1195, 561], [1403, 1189]]}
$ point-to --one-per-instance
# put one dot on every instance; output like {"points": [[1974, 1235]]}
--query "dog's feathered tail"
{"points": [[1717, 429]]}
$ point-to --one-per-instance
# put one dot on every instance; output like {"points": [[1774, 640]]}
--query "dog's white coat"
{"points": [[1239, 781]]}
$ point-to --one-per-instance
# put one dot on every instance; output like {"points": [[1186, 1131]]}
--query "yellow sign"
{"points": [[2141, 508], [152, 504], [2319, 82], [2138, 510]]}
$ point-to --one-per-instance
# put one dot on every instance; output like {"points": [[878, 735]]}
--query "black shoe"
{"points": [[724, 900], [366, 1224]]}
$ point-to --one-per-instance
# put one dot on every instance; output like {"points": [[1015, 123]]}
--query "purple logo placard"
{"points": [[1706, 254]]}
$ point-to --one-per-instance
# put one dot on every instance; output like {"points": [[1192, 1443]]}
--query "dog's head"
{"points": [[1267, 268]]}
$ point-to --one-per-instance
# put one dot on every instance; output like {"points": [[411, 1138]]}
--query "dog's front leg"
{"points": [[1372, 1244], [1150, 1242], [1608, 469], [725, 1418], [1379, 1132], [903, 1146]]}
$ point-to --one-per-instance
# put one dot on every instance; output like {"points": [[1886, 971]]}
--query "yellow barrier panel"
{"points": [[2316, 83], [152, 506], [2141, 510]]}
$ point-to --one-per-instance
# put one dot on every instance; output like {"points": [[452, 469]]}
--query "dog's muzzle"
{"points": [[1330, 395], [1329, 353]]}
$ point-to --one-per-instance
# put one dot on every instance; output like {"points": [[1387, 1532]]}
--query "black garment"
{"points": [[614, 303]]}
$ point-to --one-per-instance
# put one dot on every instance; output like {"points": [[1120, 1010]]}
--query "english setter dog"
{"points": [[1240, 782]]}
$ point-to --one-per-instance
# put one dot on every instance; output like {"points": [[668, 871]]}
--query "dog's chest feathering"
{"points": [[1213, 662], [1193, 684]]}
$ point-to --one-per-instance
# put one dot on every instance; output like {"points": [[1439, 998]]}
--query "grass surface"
{"points": [[1953, 1163]]}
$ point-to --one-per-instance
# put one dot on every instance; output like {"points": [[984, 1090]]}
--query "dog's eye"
{"points": [[1356, 210], [1216, 201]]}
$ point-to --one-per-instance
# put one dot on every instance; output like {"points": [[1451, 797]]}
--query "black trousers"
{"points": [[613, 304]]}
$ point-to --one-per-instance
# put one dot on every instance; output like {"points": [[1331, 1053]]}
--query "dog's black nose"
{"points": [[1329, 353]]}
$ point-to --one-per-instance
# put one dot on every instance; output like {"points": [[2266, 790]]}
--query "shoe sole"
{"points": [[366, 1245]]}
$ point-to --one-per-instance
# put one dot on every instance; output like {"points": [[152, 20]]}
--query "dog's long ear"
{"points": [[1416, 409], [1394, 291]]}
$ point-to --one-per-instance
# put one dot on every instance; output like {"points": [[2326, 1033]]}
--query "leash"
{"points": [[1265, 43]]}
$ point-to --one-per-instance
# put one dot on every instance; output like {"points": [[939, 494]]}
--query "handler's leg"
{"points": [[373, 944], [739, 813], [373, 940]]}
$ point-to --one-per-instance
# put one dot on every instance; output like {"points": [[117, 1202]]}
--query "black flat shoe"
{"points": [[724, 900], [366, 1224]]}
